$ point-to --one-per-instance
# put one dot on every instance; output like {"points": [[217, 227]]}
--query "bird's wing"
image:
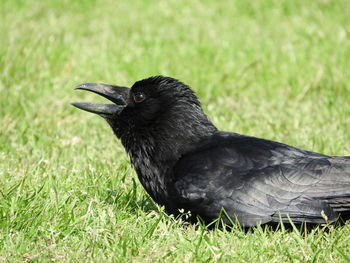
{"points": [[258, 181]]}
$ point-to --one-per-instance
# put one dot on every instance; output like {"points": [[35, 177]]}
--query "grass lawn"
{"points": [[275, 69]]}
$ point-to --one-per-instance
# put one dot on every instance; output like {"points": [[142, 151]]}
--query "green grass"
{"points": [[275, 69]]}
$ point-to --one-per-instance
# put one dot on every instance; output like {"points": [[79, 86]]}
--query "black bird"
{"points": [[185, 163]]}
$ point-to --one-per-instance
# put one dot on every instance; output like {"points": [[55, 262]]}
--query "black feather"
{"points": [[184, 162]]}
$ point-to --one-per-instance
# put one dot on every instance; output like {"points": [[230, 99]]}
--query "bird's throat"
{"points": [[153, 155]]}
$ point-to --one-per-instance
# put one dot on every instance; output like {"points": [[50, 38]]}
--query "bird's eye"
{"points": [[139, 97]]}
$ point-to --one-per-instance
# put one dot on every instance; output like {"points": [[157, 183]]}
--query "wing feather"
{"points": [[258, 181]]}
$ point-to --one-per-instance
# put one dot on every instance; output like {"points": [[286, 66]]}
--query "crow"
{"points": [[186, 164]]}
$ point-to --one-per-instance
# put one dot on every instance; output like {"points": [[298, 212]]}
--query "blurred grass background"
{"points": [[275, 69]]}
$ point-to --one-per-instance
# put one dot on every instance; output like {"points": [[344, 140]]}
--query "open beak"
{"points": [[117, 95]]}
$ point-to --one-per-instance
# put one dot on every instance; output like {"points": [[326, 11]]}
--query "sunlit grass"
{"points": [[273, 69]]}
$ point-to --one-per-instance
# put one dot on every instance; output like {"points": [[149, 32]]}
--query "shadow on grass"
{"points": [[302, 229], [224, 222], [130, 201]]}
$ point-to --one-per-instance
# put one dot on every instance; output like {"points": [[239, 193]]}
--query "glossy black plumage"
{"points": [[184, 162]]}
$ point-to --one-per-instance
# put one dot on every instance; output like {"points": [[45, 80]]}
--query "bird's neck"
{"points": [[155, 150], [150, 166]]}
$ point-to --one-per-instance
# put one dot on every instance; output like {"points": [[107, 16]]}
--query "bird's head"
{"points": [[153, 109]]}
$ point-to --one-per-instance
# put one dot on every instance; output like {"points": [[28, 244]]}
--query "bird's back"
{"points": [[260, 181]]}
